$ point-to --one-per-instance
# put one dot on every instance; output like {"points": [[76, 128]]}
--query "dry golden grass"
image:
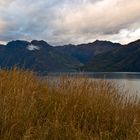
{"points": [[70, 109]]}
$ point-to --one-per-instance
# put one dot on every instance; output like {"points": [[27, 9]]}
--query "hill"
{"points": [[85, 52], [38, 56], [97, 56], [122, 59]]}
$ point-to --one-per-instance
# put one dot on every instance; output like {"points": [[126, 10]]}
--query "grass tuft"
{"points": [[70, 109]]}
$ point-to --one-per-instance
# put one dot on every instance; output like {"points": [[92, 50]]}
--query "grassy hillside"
{"points": [[71, 109]]}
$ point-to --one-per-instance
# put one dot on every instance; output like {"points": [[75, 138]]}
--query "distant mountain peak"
{"points": [[17, 43], [102, 41], [137, 42], [96, 41], [1, 45], [40, 43]]}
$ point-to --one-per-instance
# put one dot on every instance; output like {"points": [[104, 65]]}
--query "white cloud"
{"points": [[33, 47], [69, 21]]}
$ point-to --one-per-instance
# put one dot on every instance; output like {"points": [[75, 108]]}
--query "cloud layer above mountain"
{"points": [[70, 21]]}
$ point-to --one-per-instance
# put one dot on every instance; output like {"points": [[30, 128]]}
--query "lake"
{"points": [[129, 81], [125, 80]]}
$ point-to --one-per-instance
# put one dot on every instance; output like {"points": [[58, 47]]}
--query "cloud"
{"points": [[69, 21]]}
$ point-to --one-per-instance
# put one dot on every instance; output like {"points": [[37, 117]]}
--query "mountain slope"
{"points": [[85, 52], [38, 56], [42, 58], [123, 59]]}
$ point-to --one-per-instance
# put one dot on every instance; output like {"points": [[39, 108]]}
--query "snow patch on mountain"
{"points": [[33, 47]]}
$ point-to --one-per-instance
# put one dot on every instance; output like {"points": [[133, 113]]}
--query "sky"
{"points": [[62, 22]]}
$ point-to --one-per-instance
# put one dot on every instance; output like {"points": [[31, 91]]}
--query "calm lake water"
{"points": [[128, 81]]}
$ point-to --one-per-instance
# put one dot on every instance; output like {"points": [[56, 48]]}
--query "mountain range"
{"points": [[43, 58], [122, 59]]}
